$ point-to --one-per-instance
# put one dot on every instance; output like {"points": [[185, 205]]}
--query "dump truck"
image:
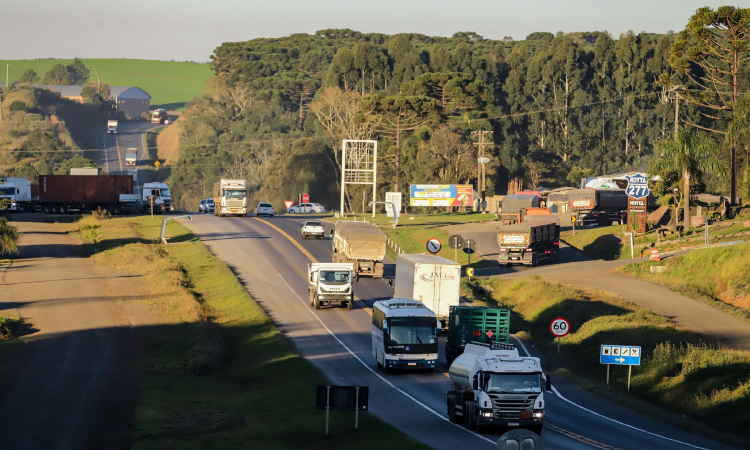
{"points": [[513, 205], [230, 198], [111, 127], [469, 324], [529, 243], [430, 279], [59, 194], [492, 385], [330, 284], [595, 206], [361, 244]]}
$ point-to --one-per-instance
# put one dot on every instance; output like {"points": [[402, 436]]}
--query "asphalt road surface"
{"points": [[338, 342], [68, 386], [115, 146]]}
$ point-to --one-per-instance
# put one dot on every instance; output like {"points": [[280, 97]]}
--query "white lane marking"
{"points": [[372, 371], [106, 156], [608, 418]]}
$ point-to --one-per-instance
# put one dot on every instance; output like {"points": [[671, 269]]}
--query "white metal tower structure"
{"points": [[359, 165]]}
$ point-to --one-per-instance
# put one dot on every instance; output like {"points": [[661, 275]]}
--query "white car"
{"points": [[306, 208], [313, 228], [264, 209]]}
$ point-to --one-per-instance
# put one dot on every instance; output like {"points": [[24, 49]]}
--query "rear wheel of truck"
{"points": [[468, 416], [55, 210], [117, 210], [534, 260], [452, 413]]}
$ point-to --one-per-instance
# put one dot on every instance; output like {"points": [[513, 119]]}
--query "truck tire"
{"points": [[47, 209], [469, 415], [63, 210], [316, 302], [117, 210], [55, 209], [534, 260], [452, 412]]}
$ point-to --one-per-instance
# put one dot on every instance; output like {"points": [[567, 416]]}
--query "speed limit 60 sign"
{"points": [[559, 327]]}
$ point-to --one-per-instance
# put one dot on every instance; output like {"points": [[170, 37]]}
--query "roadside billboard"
{"points": [[441, 195]]}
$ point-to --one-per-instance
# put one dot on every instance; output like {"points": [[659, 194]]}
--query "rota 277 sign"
{"points": [[637, 186]]}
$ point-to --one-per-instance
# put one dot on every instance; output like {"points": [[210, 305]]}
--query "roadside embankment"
{"points": [[213, 370], [698, 379], [718, 275]]}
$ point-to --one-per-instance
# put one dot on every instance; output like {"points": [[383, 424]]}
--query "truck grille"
{"points": [[328, 291], [511, 409], [234, 204]]}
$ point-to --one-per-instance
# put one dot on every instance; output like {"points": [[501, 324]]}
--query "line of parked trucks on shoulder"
{"points": [[84, 190]]}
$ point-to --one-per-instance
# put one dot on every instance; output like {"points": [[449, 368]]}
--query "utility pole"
{"points": [[483, 139], [676, 89], [7, 69]]}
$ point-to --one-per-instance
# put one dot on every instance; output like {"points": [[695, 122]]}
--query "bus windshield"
{"points": [[513, 383], [234, 194], [411, 335], [334, 277]]}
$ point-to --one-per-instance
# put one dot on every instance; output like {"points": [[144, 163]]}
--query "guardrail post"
{"points": [[164, 226]]}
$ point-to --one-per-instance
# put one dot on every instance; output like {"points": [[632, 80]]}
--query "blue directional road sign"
{"points": [[624, 355], [637, 186]]}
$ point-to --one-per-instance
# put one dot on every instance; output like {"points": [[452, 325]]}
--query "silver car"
{"points": [[206, 205]]}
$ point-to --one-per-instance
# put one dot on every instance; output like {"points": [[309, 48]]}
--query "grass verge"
{"points": [[213, 370], [719, 276], [693, 378]]}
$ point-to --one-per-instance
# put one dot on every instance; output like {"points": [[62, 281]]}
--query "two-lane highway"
{"points": [[268, 258], [115, 146]]}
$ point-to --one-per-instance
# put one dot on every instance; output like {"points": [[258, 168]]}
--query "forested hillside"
{"points": [[559, 106]]}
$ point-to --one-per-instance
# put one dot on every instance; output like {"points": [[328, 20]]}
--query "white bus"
{"points": [[404, 335]]}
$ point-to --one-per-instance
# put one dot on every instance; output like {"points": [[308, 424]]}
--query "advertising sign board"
{"points": [[395, 198], [441, 195]]}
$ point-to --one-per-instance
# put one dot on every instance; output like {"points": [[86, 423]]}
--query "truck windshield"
{"points": [[165, 193], [329, 276], [411, 335], [234, 194], [511, 383], [7, 191]]}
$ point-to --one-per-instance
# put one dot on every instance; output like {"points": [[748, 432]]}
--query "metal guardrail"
{"points": [[164, 226]]}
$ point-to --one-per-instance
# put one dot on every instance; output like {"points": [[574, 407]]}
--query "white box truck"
{"points": [[111, 127], [430, 279], [17, 191], [131, 156]]}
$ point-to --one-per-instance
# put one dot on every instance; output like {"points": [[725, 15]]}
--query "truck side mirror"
{"points": [[475, 383], [385, 326], [548, 387]]}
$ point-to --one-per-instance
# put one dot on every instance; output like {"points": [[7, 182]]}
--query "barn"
{"points": [[131, 101]]}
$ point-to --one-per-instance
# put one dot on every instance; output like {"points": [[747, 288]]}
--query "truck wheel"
{"points": [[55, 209], [534, 260], [468, 415], [47, 209], [63, 210], [117, 210], [316, 302], [452, 413]]}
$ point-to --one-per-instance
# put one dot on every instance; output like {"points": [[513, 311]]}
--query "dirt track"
{"points": [[69, 386]]}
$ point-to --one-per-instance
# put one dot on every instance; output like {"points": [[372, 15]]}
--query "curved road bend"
{"points": [[274, 271]]}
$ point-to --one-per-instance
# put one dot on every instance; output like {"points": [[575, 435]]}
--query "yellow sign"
{"points": [[470, 272], [157, 164], [573, 219]]}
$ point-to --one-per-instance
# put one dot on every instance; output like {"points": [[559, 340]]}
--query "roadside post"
{"points": [[164, 226], [573, 221], [470, 246], [706, 225], [342, 398], [151, 204], [621, 355], [559, 327], [455, 242], [632, 245]]}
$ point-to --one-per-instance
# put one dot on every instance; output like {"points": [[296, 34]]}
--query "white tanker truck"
{"points": [[494, 386]]}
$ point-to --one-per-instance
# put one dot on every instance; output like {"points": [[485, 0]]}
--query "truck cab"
{"points": [[111, 127], [162, 197], [131, 156], [494, 386], [230, 198], [330, 284], [8, 194]]}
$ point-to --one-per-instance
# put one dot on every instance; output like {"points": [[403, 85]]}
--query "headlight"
{"points": [[321, 296], [486, 413], [538, 414]]}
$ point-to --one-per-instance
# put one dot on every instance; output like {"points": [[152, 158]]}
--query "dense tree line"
{"points": [[559, 106]]}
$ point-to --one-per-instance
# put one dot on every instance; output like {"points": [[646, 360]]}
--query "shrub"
{"points": [[18, 105]]}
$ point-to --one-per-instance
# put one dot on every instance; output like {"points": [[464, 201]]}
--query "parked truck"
{"points": [[529, 243], [330, 284], [361, 244], [595, 206], [59, 194], [513, 206], [492, 385], [111, 127], [475, 324], [230, 198], [162, 200], [430, 279], [160, 116], [17, 193]]}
